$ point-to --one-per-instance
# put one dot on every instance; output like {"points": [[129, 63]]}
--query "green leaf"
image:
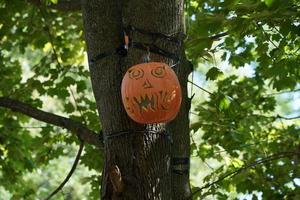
{"points": [[213, 73], [269, 3], [54, 1], [224, 103]]}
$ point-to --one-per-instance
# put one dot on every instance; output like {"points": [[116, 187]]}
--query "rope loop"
{"points": [[122, 50], [123, 133]]}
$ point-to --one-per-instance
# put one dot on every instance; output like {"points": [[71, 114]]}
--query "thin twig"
{"points": [[213, 37], [268, 38], [245, 167], [25, 127], [30, 127], [273, 117], [60, 187], [201, 88], [287, 118], [241, 146], [196, 114], [76, 106], [283, 92], [43, 11], [61, 5], [218, 36], [208, 165]]}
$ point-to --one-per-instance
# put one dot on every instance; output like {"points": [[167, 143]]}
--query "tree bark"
{"points": [[138, 160], [181, 139]]}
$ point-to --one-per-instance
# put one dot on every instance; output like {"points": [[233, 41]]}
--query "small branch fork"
{"points": [[270, 158], [84, 133], [62, 5]]}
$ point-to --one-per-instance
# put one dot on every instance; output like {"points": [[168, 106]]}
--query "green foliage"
{"points": [[240, 123], [42, 63], [213, 74]]}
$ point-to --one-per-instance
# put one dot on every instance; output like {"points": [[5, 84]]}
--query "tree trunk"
{"points": [[140, 155]]}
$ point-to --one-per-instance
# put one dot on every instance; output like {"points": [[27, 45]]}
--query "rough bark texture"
{"points": [[181, 139], [137, 164]]}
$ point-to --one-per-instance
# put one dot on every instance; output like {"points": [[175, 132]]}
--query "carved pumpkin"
{"points": [[151, 93]]}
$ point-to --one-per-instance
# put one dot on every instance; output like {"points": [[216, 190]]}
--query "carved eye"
{"points": [[136, 73], [159, 72]]}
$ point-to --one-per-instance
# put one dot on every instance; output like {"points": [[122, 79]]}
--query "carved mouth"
{"points": [[155, 101], [145, 102]]}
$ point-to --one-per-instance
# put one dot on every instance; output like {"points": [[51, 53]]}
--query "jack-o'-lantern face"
{"points": [[151, 93]]}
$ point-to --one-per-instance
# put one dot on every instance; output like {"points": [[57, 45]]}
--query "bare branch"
{"points": [[35, 2], [75, 127], [201, 88], [60, 187], [62, 5], [218, 36], [283, 92], [288, 118], [247, 166]]}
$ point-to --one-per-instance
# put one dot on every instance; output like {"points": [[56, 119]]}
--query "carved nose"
{"points": [[147, 84]]}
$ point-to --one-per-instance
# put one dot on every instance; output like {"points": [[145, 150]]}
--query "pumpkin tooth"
{"points": [[144, 102], [150, 101]]}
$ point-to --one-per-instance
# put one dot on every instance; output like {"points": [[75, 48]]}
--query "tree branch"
{"points": [[75, 127], [288, 118], [247, 166], [218, 36], [201, 88], [283, 92], [60, 187], [62, 5]]}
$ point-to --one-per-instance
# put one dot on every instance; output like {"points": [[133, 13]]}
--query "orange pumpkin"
{"points": [[151, 93]]}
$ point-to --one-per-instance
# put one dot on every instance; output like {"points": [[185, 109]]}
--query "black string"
{"points": [[128, 132], [181, 171], [180, 161], [155, 35], [120, 133], [180, 165], [154, 49], [122, 50]]}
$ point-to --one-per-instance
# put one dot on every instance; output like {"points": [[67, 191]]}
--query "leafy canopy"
{"points": [[42, 59], [240, 122]]}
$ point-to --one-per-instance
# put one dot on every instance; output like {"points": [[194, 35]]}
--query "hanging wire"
{"points": [[129, 43], [118, 134], [156, 35]]}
